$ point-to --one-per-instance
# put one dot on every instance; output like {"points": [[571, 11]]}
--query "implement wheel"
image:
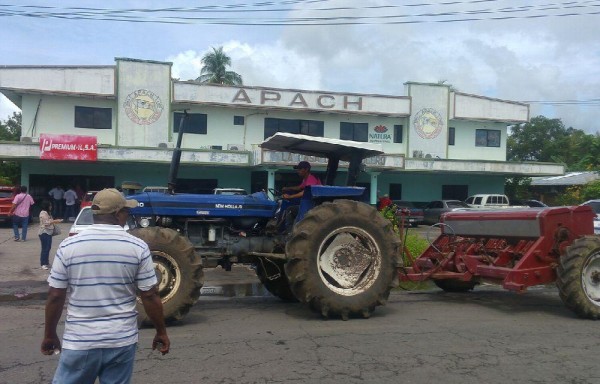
{"points": [[579, 277], [342, 259], [454, 285], [178, 270], [272, 275]]}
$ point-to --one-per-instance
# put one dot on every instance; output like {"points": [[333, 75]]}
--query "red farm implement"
{"points": [[516, 249]]}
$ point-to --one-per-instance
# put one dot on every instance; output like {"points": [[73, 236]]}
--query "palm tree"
{"points": [[214, 69]]}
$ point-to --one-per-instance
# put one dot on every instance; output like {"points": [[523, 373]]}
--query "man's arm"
{"points": [[54, 308], [154, 310], [12, 209], [292, 188]]}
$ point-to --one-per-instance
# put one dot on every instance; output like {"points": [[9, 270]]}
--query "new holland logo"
{"points": [[229, 206], [428, 123], [143, 107]]}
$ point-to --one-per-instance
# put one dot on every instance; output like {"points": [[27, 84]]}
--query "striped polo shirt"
{"points": [[101, 267]]}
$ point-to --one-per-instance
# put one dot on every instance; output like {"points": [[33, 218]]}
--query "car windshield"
{"points": [[5, 194], [457, 204], [85, 217]]}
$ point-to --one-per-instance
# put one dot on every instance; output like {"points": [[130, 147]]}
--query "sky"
{"points": [[543, 51]]}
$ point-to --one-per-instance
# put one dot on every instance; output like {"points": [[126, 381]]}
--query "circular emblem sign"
{"points": [[143, 107], [428, 123]]}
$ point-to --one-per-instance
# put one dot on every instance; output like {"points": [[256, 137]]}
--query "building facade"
{"points": [[98, 126]]}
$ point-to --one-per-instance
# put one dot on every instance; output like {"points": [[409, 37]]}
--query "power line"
{"points": [[125, 15]]}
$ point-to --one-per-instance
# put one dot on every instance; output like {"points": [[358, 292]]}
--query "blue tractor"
{"points": [[335, 253]]}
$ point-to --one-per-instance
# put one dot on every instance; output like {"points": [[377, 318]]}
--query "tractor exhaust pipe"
{"points": [[172, 183]]}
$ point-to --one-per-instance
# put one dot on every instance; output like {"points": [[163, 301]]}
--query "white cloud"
{"points": [[6, 108], [269, 65]]}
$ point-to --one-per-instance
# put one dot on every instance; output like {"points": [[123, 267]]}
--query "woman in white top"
{"points": [[45, 234]]}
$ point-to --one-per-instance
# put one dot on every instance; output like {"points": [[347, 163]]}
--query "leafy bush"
{"points": [[578, 194], [414, 243]]}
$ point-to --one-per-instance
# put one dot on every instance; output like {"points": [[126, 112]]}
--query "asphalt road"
{"points": [[487, 336]]}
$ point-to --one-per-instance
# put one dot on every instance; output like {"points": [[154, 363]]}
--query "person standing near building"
{"points": [[70, 197], [47, 224], [57, 194], [101, 332], [20, 213]]}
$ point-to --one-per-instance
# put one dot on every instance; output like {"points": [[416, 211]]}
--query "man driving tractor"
{"points": [[303, 169]]}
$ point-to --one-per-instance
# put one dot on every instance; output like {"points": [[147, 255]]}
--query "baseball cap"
{"points": [[110, 200], [302, 165]]}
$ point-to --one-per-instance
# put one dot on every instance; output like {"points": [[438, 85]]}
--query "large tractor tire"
{"points": [[454, 285], [178, 270], [578, 279], [343, 259], [272, 276]]}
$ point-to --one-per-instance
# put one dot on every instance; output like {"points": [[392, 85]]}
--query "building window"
{"points": [[195, 123], [455, 192], [397, 133], [238, 120], [354, 131], [487, 138], [91, 117], [451, 133], [303, 127], [396, 191]]}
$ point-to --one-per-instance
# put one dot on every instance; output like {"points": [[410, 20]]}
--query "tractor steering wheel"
{"points": [[275, 193]]}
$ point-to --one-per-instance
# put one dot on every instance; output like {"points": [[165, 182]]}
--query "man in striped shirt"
{"points": [[102, 267]]}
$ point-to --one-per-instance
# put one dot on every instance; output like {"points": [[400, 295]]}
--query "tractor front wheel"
{"points": [[343, 259], [178, 270], [579, 277]]}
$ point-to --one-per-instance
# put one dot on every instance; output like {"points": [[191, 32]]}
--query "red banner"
{"points": [[68, 147]]}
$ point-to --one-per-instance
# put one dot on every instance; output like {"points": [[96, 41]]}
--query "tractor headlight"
{"points": [[144, 222]]}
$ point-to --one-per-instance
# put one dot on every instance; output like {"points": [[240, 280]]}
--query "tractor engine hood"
{"points": [[209, 205]]}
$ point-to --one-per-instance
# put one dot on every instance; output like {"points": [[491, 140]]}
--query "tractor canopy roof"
{"points": [[320, 146]]}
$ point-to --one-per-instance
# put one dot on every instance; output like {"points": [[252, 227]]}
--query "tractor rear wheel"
{"points": [[272, 275], [578, 279], [342, 259], [454, 285], [178, 270]]}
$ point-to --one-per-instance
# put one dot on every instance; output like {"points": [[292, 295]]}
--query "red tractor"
{"points": [[517, 249]]}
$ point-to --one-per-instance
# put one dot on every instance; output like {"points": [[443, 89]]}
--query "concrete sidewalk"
{"points": [[22, 278]]}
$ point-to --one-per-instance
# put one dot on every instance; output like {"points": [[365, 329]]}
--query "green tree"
{"points": [[214, 69], [10, 130], [541, 139]]}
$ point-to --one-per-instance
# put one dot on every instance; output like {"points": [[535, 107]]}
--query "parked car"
{"points": [[87, 199], [490, 201], [528, 203], [595, 204], [84, 219], [7, 195], [434, 210], [416, 214]]}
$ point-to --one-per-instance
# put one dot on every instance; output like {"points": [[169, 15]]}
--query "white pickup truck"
{"points": [[490, 201]]}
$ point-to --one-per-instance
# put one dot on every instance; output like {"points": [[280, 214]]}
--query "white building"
{"points": [[98, 126]]}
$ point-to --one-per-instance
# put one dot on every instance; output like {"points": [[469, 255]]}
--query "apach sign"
{"points": [[68, 147]]}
